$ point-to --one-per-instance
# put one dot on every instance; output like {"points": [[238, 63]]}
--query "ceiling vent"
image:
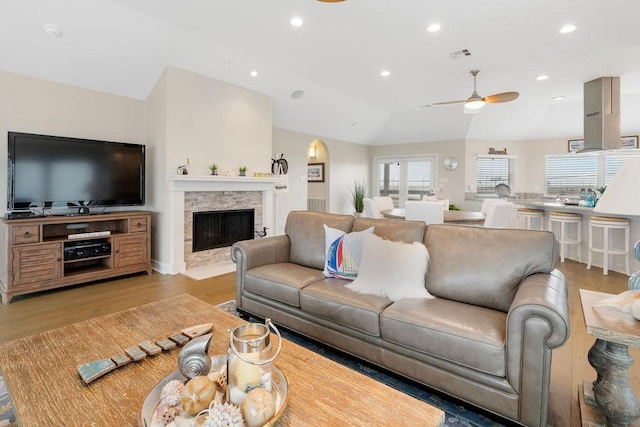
{"points": [[460, 54], [602, 114]]}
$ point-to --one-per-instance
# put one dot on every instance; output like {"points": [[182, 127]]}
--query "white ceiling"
{"points": [[122, 47]]}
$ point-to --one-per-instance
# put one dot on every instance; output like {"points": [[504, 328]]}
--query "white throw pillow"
{"points": [[343, 252], [395, 270]]}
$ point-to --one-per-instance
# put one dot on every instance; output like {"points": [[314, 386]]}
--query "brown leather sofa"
{"points": [[499, 307]]}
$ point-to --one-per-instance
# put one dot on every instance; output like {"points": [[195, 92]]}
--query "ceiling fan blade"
{"points": [[449, 102], [501, 97]]}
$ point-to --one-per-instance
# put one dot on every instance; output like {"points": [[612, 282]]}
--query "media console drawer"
{"points": [[138, 225], [23, 234]]}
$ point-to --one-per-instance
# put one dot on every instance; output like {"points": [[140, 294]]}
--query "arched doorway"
{"points": [[318, 176]]}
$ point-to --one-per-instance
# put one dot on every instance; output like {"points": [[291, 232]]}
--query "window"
{"points": [[405, 178], [491, 171], [570, 173]]}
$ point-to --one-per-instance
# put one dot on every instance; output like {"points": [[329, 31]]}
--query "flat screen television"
{"points": [[58, 172]]}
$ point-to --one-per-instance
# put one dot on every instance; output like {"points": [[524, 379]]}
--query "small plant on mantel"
{"points": [[242, 170], [358, 192], [214, 169]]}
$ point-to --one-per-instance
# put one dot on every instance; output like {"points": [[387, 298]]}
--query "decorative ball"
{"points": [[258, 407], [197, 394]]}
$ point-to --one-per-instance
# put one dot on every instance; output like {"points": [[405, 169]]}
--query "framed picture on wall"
{"points": [[315, 172], [629, 141], [576, 145]]}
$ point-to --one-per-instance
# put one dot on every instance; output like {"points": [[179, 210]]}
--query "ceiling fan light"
{"points": [[474, 105]]}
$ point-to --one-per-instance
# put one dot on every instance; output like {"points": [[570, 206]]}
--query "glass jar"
{"points": [[250, 359]]}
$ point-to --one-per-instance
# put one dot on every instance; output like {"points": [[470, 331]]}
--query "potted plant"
{"points": [[243, 170], [358, 192], [214, 169]]}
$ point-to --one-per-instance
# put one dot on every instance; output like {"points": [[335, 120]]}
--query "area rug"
{"points": [[456, 415]]}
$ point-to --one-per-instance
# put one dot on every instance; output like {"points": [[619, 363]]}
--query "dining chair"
{"points": [[443, 201], [487, 203], [429, 212], [499, 215], [383, 202], [370, 208]]}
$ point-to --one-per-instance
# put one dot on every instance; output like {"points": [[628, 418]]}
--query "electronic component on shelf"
{"points": [[89, 235], [89, 249]]}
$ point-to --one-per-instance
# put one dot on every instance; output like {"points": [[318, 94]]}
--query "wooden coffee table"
{"points": [[40, 372]]}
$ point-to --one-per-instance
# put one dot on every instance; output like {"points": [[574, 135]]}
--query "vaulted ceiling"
{"points": [[337, 55]]}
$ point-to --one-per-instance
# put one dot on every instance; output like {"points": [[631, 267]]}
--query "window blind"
{"points": [[570, 174], [492, 171]]}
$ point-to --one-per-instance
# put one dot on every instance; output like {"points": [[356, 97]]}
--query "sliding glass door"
{"points": [[405, 178]]}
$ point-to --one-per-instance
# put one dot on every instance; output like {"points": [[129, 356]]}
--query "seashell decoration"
{"points": [[194, 359], [197, 394], [258, 407], [627, 302]]}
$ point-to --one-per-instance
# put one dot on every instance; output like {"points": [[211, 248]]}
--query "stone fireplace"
{"points": [[218, 204], [189, 194]]}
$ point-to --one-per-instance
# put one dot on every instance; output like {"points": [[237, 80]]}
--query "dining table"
{"points": [[449, 216]]}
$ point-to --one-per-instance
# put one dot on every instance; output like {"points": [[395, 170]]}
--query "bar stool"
{"points": [[566, 219], [609, 224], [527, 215]]}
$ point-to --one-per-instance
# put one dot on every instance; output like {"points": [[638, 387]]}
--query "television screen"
{"points": [[51, 171]]}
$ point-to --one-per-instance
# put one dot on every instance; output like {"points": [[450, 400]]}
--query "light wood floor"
{"points": [[35, 313]]}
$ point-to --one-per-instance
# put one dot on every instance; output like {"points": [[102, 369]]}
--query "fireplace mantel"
{"points": [[184, 183], [178, 185]]}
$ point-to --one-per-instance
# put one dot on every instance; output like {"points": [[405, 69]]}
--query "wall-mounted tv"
{"points": [[49, 172]]}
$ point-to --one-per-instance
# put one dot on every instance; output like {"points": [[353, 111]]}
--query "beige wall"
{"points": [[38, 106], [156, 141], [210, 121]]}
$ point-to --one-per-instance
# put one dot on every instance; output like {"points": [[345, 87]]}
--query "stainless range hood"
{"points": [[602, 114]]}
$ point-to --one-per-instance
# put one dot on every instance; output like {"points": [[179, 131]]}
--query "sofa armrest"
{"points": [[248, 254], [537, 322]]}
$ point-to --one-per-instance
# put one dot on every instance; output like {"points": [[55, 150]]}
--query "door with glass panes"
{"points": [[405, 178]]}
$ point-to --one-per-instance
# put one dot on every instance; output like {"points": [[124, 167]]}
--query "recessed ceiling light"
{"points": [[433, 28], [385, 73], [253, 73], [569, 28], [297, 22], [297, 94], [52, 30], [542, 77], [558, 98]]}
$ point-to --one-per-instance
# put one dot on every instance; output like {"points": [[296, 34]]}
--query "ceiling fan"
{"points": [[475, 102]]}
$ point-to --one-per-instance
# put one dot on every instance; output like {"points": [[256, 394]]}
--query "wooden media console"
{"points": [[37, 253]]}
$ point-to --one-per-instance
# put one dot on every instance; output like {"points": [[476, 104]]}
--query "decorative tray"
{"points": [[147, 417]]}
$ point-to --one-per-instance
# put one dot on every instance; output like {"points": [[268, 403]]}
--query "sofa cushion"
{"points": [[406, 231], [306, 233], [395, 270], [331, 300], [343, 252], [461, 333], [484, 266], [281, 281]]}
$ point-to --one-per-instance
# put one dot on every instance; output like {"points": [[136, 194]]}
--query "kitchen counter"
{"points": [[616, 263]]}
